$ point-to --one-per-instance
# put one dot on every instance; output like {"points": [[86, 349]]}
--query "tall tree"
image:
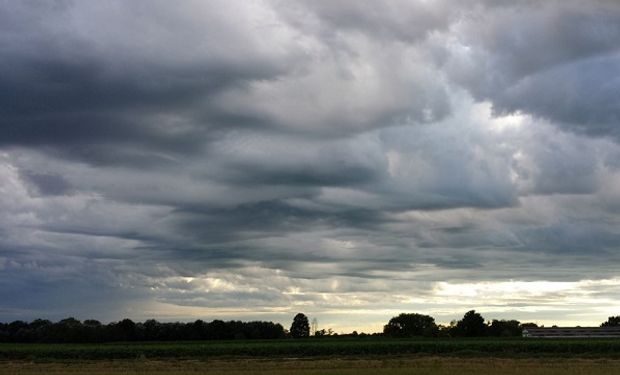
{"points": [[405, 325], [612, 321], [505, 328], [300, 326], [472, 325]]}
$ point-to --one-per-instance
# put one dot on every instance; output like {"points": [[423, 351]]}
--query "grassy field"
{"points": [[360, 348], [422, 365], [374, 356]]}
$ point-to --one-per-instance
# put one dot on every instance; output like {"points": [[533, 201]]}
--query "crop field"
{"points": [[318, 356], [366, 347]]}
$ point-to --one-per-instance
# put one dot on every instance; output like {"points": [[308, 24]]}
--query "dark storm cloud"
{"points": [[48, 184], [596, 114], [558, 60], [319, 155], [85, 76], [257, 159]]}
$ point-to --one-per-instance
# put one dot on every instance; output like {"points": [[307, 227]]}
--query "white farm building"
{"points": [[575, 332]]}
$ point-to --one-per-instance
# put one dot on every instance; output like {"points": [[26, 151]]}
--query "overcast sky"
{"points": [[346, 159]]}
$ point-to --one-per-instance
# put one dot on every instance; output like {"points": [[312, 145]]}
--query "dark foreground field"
{"points": [[361, 348], [374, 356], [350, 366]]}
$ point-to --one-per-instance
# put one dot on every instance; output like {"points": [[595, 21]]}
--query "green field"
{"points": [[311, 348]]}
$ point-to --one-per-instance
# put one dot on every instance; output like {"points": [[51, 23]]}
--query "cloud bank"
{"points": [[253, 159]]}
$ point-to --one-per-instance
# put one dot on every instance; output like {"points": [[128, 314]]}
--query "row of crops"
{"points": [[312, 348]]}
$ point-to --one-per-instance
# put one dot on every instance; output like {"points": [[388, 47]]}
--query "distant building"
{"points": [[574, 332]]}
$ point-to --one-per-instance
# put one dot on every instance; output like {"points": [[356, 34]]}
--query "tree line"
{"points": [[404, 325], [73, 330], [471, 325]]}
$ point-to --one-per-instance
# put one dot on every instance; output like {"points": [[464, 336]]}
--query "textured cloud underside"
{"points": [[256, 158]]}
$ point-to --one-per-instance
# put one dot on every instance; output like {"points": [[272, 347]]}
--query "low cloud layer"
{"points": [[255, 159]]}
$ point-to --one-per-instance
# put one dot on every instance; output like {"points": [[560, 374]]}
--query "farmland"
{"points": [[349, 366], [370, 355], [312, 348]]}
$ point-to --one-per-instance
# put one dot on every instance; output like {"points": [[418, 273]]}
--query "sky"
{"points": [[350, 160]]}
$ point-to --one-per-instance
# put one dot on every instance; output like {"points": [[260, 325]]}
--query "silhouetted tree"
{"points": [[92, 331], [218, 330], [126, 330], [320, 333], [505, 328], [152, 330], [406, 325], [472, 325], [612, 321], [69, 330], [300, 326]]}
